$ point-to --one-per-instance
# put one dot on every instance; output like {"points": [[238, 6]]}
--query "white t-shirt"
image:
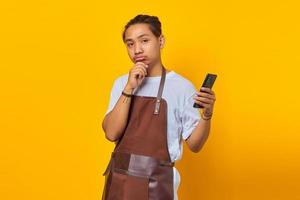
{"points": [[182, 117]]}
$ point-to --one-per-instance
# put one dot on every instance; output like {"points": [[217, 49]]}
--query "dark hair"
{"points": [[152, 21]]}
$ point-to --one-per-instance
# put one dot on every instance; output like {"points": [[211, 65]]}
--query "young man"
{"points": [[149, 115]]}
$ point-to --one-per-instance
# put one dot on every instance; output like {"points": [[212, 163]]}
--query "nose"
{"points": [[137, 49]]}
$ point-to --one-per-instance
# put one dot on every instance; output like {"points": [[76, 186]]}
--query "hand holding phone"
{"points": [[208, 82]]}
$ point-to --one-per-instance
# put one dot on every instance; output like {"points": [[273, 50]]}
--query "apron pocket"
{"points": [[125, 186]]}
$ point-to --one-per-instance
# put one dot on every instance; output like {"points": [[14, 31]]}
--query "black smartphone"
{"points": [[208, 82]]}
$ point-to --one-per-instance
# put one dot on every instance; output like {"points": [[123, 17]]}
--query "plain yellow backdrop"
{"points": [[58, 61]]}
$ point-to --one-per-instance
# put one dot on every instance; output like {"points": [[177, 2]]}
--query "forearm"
{"points": [[115, 122], [199, 135]]}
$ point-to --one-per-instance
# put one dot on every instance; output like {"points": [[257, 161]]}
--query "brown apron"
{"points": [[140, 167]]}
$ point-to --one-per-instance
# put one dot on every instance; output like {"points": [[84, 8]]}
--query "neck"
{"points": [[155, 70]]}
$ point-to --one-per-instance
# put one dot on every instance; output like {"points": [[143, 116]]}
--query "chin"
{"points": [[145, 62]]}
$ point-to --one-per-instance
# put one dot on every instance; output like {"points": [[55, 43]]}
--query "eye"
{"points": [[145, 40], [129, 44]]}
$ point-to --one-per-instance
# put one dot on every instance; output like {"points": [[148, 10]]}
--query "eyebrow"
{"points": [[137, 37]]}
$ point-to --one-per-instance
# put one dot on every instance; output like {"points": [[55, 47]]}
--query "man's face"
{"points": [[142, 45]]}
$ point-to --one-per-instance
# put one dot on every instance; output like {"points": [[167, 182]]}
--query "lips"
{"points": [[139, 58]]}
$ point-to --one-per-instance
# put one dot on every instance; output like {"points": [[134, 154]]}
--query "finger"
{"points": [[205, 105], [142, 68], [206, 89], [141, 64], [203, 99], [204, 94], [136, 73], [139, 75], [140, 72]]}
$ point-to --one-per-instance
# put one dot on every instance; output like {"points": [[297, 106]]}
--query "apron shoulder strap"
{"points": [[160, 91]]}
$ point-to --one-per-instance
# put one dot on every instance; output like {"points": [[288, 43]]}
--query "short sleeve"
{"points": [[190, 117], [114, 95]]}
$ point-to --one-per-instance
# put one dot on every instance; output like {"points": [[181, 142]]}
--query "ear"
{"points": [[162, 41]]}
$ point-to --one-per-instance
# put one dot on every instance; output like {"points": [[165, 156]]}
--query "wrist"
{"points": [[206, 115], [127, 93], [128, 89]]}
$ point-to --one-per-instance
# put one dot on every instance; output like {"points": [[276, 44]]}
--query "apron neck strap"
{"points": [[160, 90]]}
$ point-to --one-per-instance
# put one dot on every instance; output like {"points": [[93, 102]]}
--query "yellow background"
{"points": [[58, 60]]}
